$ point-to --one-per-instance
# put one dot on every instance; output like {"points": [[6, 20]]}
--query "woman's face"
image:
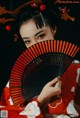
{"points": [[31, 35]]}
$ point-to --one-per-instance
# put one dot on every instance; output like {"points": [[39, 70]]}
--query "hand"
{"points": [[51, 89]]}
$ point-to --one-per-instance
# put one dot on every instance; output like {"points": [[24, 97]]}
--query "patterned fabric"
{"points": [[31, 110], [63, 105]]}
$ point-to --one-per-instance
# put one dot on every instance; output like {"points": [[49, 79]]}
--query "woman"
{"points": [[36, 26]]}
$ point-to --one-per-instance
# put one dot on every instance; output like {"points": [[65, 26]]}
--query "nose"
{"points": [[34, 41]]}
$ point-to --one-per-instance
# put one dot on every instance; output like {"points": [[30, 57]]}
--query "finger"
{"points": [[54, 81], [58, 84]]}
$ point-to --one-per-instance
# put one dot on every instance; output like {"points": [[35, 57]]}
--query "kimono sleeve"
{"points": [[32, 109]]}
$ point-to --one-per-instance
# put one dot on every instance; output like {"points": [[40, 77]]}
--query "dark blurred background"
{"points": [[11, 48]]}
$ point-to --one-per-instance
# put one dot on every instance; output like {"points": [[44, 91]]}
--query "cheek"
{"points": [[27, 46], [49, 35]]}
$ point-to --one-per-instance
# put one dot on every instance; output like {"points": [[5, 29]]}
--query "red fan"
{"points": [[38, 65]]}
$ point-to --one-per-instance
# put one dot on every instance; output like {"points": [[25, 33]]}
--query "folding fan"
{"points": [[38, 65]]}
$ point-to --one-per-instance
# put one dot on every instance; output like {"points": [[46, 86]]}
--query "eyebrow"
{"points": [[39, 32], [34, 35]]}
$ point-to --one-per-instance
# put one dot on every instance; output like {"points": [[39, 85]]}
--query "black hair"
{"points": [[41, 18]]}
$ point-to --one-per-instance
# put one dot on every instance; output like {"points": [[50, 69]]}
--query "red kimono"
{"points": [[62, 107]]}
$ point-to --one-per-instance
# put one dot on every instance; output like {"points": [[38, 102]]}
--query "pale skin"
{"points": [[31, 35]]}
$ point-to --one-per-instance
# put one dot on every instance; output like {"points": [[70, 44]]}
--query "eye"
{"points": [[41, 36], [27, 42]]}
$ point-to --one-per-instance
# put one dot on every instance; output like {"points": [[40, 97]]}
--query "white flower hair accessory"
{"points": [[31, 110]]}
